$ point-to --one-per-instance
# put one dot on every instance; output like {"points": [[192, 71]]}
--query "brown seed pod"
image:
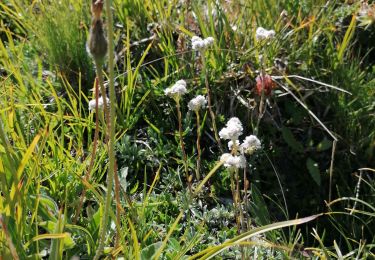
{"points": [[97, 43], [96, 8]]}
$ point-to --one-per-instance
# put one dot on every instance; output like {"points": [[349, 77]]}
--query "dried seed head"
{"points": [[96, 8], [97, 41], [97, 44]]}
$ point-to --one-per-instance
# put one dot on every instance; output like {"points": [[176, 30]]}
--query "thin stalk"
{"points": [[119, 209], [331, 170], [233, 189], [245, 187], [237, 202], [99, 73], [209, 103], [111, 130], [179, 115], [198, 175], [96, 136]]}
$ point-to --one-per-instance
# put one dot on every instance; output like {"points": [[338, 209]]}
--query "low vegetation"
{"points": [[187, 129]]}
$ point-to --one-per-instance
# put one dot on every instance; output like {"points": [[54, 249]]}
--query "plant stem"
{"points": [[209, 103], [238, 202], [182, 141], [198, 175], [119, 209], [111, 130]]}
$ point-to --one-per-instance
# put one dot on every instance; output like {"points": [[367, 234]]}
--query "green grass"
{"points": [[301, 196]]}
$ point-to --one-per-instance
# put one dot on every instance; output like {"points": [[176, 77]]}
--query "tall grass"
{"points": [[47, 132]]}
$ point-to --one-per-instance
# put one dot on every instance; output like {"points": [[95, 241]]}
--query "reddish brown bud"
{"points": [[264, 83]]}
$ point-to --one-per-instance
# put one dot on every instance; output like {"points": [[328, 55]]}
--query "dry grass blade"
{"points": [[314, 81]]}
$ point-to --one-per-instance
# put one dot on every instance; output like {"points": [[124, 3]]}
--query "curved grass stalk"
{"points": [[213, 251]]}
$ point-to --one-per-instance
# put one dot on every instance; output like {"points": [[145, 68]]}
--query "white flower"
{"points": [[177, 90], [263, 34], [231, 161], [197, 103], [232, 130], [209, 41], [199, 44], [92, 103], [236, 144], [250, 144]]}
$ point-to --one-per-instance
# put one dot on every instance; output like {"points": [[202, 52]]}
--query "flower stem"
{"points": [[111, 130], [198, 175], [182, 141], [209, 103]]}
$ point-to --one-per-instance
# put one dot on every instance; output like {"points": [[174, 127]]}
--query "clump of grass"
{"points": [[61, 38]]}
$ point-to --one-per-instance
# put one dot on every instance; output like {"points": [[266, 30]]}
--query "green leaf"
{"points": [[135, 187], [313, 169], [325, 144], [149, 251], [291, 140]]}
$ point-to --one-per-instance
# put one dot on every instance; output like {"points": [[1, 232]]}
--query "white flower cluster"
{"points": [[232, 161], [232, 131], [250, 144], [177, 90], [92, 103], [199, 44], [197, 103], [263, 34]]}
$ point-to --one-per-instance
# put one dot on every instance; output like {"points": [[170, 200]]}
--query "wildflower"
{"points": [[231, 161], [264, 83], [177, 90], [92, 103], [263, 34], [197, 103], [197, 43], [200, 44], [232, 130], [209, 41], [250, 144], [234, 144]]}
